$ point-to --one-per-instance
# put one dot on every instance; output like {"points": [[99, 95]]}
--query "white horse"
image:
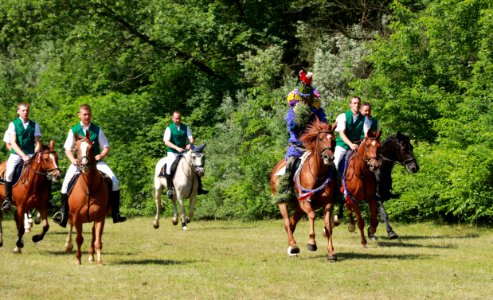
{"points": [[185, 182]]}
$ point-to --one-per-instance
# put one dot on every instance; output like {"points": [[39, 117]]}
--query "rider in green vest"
{"points": [[24, 138], [178, 139]]}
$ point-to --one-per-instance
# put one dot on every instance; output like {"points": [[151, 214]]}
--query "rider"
{"points": [[304, 108], [24, 138], [101, 149], [175, 138], [352, 127]]}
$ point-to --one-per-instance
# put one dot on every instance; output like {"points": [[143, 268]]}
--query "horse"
{"points": [[360, 183], [88, 201], [314, 186], [185, 182], [395, 149], [32, 192]]}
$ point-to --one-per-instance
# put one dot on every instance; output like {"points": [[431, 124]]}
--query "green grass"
{"points": [[235, 260]]}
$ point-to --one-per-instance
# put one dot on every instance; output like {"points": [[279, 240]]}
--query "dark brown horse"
{"points": [[314, 185], [32, 191], [360, 183], [88, 201]]}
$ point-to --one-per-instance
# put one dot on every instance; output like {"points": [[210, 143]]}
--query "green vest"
{"points": [[374, 125], [93, 136], [354, 131], [25, 136], [178, 137]]}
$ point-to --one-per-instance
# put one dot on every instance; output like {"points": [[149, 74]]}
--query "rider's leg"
{"points": [[284, 184], [170, 159], [339, 155], [201, 190], [115, 207], [61, 216], [13, 160], [115, 192], [7, 203]]}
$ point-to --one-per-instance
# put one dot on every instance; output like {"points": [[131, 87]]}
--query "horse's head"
{"points": [[47, 160], [319, 138], [405, 153], [198, 159], [369, 149], [85, 157]]}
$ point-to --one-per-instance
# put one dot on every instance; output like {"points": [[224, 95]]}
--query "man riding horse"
{"points": [[175, 138], [101, 149], [304, 108], [24, 139]]}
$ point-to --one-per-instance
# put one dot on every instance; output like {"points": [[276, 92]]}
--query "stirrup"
{"points": [[6, 205], [58, 217], [170, 193], [203, 192]]}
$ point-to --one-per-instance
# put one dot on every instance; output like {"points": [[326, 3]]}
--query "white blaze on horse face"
{"points": [[198, 163], [83, 150]]}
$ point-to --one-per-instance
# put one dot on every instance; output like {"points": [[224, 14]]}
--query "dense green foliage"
{"points": [[228, 65]]}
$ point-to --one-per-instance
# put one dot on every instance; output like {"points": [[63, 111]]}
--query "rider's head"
{"points": [[176, 117], [355, 104], [85, 114], [366, 109], [23, 111]]}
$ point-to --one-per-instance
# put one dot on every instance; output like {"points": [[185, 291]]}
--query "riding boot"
{"points": [[61, 216], [7, 203], [115, 207], [50, 204], [201, 190], [285, 186], [169, 184]]}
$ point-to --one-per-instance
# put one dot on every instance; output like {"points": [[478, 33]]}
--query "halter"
{"points": [[38, 157], [367, 161]]}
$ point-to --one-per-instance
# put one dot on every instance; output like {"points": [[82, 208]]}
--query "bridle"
{"points": [[366, 159]]}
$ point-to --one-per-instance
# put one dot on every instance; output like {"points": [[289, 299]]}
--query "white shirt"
{"points": [[11, 130], [167, 133], [6, 137], [70, 142], [341, 123]]}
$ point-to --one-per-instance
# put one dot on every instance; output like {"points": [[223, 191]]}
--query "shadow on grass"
{"points": [[159, 262], [341, 256], [448, 237], [413, 245]]}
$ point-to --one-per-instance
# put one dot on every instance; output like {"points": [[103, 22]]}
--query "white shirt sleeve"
{"points": [[189, 132], [341, 123], [366, 125], [6, 137], [103, 141], [167, 134], [37, 130], [69, 141]]}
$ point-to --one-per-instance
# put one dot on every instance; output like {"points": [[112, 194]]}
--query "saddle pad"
{"points": [[17, 173], [281, 171]]}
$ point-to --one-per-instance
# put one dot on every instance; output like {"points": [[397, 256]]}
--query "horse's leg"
{"points": [[28, 223], [93, 240], [19, 221], [68, 242], [351, 226], [295, 218], [307, 208], [373, 220], [175, 211], [44, 220], [99, 242], [157, 199], [191, 207], [361, 223], [385, 217], [79, 239], [293, 249], [182, 210], [1, 229], [328, 220]]}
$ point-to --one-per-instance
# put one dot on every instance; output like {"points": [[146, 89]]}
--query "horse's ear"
{"points": [[52, 145], [399, 135], [88, 135], [379, 133], [76, 136]]}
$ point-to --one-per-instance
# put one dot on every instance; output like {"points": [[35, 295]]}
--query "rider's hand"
{"points": [[98, 157], [187, 147], [25, 157], [179, 149], [353, 147], [75, 162]]}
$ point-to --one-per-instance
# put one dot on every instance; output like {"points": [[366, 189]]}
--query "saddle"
{"points": [[72, 182], [173, 168], [17, 172]]}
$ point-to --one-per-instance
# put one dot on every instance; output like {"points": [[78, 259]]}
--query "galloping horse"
{"points": [[185, 181], [360, 183], [395, 149], [88, 201], [314, 185], [32, 191]]}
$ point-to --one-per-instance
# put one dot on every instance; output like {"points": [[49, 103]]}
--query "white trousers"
{"points": [[339, 154], [101, 166], [170, 159], [12, 162]]}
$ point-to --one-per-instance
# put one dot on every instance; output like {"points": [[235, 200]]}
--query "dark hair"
{"points": [[85, 107], [366, 104], [357, 97]]}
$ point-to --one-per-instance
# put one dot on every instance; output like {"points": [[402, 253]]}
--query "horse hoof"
{"points": [[184, 228], [351, 228], [393, 235], [156, 225], [293, 250], [17, 250], [174, 221], [188, 220], [311, 247], [68, 248], [331, 257], [36, 238], [20, 244], [37, 220], [336, 221], [372, 236]]}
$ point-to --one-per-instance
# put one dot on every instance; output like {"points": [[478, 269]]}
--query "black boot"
{"points": [[61, 216], [7, 203], [169, 184], [201, 190], [115, 207]]}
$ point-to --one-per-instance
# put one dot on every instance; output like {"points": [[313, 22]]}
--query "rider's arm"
{"points": [[341, 128], [191, 139], [69, 146], [348, 142], [13, 143], [104, 144], [37, 138]]}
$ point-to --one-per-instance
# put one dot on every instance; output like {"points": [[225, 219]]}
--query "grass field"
{"points": [[235, 260]]}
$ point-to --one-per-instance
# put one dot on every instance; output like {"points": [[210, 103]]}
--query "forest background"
{"points": [[426, 67]]}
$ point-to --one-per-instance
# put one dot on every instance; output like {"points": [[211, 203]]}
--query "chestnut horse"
{"points": [[314, 186], [360, 183], [395, 149], [32, 191], [88, 201]]}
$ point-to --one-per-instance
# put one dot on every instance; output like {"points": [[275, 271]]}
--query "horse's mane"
{"points": [[309, 137], [395, 137]]}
